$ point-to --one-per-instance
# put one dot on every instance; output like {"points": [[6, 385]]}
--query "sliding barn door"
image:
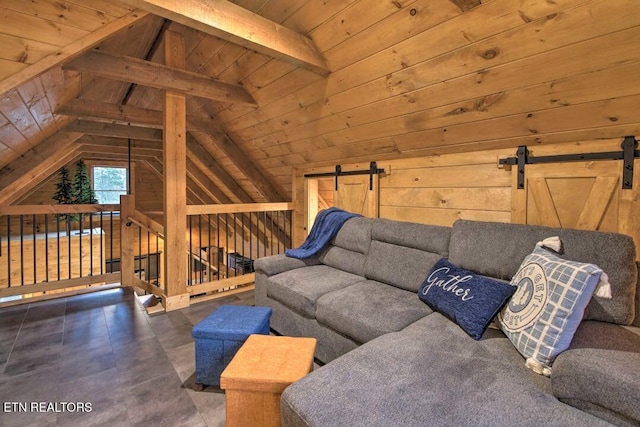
{"points": [[582, 195], [355, 195]]}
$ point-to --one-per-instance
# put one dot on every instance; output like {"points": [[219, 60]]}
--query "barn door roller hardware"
{"points": [[373, 170], [627, 155]]}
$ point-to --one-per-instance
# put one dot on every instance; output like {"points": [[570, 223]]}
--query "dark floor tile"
{"points": [[33, 355], [172, 329], [121, 335], [162, 401], [85, 319], [18, 417], [183, 360], [132, 369], [43, 327], [139, 361], [210, 404], [30, 387], [86, 362], [198, 312], [8, 335], [45, 310], [82, 303], [115, 296], [35, 340], [122, 318], [80, 336], [13, 316], [4, 356], [100, 390]]}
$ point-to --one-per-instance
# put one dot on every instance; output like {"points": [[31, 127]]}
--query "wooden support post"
{"points": [[127, 240], [175, 182]]}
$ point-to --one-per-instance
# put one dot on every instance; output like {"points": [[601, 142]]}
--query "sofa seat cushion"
{"points": [[601, 369], [299, 289], [369, 309], [430, 374]]}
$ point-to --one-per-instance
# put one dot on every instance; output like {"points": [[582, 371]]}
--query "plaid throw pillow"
{"points": [[547, 307]]}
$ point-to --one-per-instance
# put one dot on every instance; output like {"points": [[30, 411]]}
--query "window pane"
{"points": [[108, 178], [109, 197], [109, 183]]}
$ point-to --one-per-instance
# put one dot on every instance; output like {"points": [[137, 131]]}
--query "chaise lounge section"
{"points": [[391, 360]]}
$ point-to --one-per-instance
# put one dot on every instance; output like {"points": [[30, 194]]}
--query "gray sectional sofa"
{"points": [[391, 361]]}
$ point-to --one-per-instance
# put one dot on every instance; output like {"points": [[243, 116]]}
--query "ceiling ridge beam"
{"points": [[115, 130], [128, 114], [146, 73], [230, 22], [70, 51]]}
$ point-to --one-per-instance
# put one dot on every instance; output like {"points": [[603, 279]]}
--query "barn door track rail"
{"points": [[627, 155], [373, 170]]}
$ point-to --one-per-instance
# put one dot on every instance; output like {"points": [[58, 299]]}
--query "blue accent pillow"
{"points": [[467, 298], [544, 313]]}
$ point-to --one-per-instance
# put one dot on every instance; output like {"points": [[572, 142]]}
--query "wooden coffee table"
{"points": [[259, 372]]}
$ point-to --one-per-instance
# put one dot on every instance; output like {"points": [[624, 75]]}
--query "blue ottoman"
{"points": [[221, 334]]}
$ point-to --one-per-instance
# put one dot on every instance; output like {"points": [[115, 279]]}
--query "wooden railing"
{"points": [[144, 253], [54, 249], [51, 249], [222, 243]]}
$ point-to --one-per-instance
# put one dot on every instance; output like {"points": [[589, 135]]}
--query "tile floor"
{"points": [[104, 349]]}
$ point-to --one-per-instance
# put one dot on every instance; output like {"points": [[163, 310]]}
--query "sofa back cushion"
{"points": [[348, 249], [497, 249], [402, 253]]}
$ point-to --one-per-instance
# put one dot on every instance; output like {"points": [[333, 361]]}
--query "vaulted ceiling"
{"points": [[278, 84]]}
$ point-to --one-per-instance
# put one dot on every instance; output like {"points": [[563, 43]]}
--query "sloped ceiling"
{"points": [[406, 78]]}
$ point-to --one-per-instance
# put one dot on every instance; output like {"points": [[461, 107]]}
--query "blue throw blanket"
{"points": [[325, 227]]}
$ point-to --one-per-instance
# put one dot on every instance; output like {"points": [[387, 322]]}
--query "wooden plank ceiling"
{"points": [[278, 84]]}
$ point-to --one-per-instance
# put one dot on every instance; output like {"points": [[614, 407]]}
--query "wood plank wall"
{"points": [[441, 189], [422, 78]]}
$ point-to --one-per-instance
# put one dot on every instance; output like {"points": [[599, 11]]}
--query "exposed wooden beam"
{"points": [[175, 181], [465, 5], [127, 114], [97, 151], [243, 163], [140, 145], [201, 157], [146, 73], [237, 25], [107, 111], [70, 51], [202, 180], [205, 130], [116, 157], [115, 130], [28, 171], [156, 166]]}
